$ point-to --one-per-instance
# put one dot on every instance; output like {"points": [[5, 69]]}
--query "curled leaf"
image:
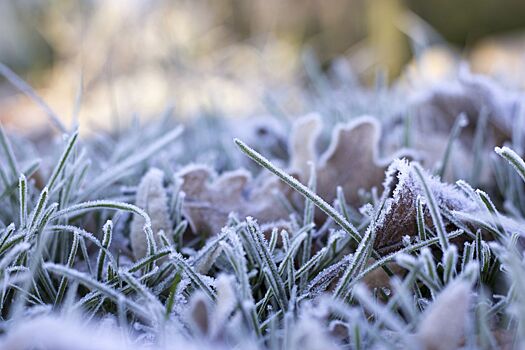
{"points": [[151, 196], [398, 217]]}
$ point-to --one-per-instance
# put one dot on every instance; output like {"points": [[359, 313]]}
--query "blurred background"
{"points": [[104, 62]]}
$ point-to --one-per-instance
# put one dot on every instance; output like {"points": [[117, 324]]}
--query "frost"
{"points": [[484, 220], [517, 163], [226, 302], [326, 277], [308, 334], [401, 190], [231, 281], [66, 334], [206, 257], [443, 323]]}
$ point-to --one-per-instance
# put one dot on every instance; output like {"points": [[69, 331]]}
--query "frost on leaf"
{"points": [[327, 279], [210, 198], [152, 198], [436, 110], [304, 135], [225, 306], [402, 188], [351, 160], [443, 324], [308, 334]]}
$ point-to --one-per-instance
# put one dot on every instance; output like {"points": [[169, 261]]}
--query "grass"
{"points": [[65, 254]]}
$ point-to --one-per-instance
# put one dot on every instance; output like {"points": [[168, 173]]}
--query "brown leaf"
{"points": [[152, 198], [436, 110], [210, 198], [399, 217], [351, 160]]}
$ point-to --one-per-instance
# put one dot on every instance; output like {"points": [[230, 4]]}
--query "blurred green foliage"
{"points": [[463, 22]]}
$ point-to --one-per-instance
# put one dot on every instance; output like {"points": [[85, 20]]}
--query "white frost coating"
{"points": [[72, 333], [515, 160], [401, 190], [309, 334], [443, 324], [100, 204], [226, 302], [510, 225], [152, 198], [63, 334], [301, 145], [198, 314]]}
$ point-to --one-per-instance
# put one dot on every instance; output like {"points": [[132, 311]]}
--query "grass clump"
{"points": [[103, 231]]}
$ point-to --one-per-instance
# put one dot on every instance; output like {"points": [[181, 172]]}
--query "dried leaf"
{"points": [[208, 201], [151, 196], [432, 146], [436, 110], [402, 188], [351, 160], [470, 94]]}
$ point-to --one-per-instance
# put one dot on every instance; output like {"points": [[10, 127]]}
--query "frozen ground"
{"points": [[386, 218]]}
